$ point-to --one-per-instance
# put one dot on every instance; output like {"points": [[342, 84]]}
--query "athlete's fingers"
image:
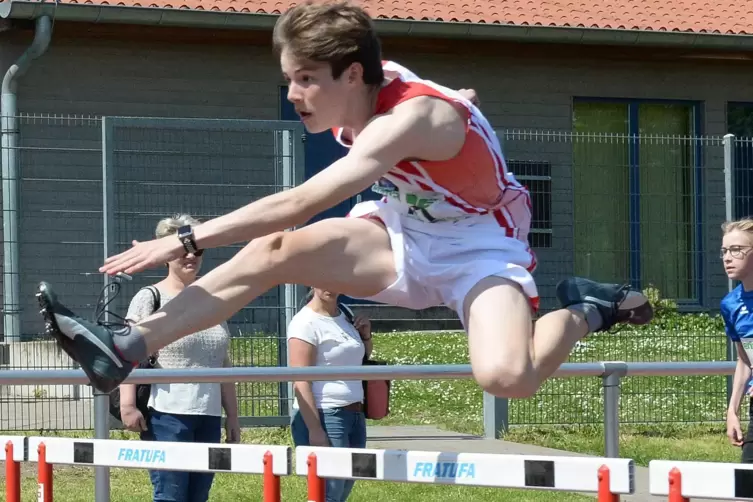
{"points": [[114, 259], [120, 264]]}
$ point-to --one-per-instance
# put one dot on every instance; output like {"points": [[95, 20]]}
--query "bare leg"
{"points": [[512, 358], [350, 255]]}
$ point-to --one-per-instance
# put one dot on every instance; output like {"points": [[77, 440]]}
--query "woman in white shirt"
{"points": [[184, 412], [328, 413]]}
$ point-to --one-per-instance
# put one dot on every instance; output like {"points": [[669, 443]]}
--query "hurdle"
{"points": [[270, 461], [682, 481], [607, 477], [14, 455]]}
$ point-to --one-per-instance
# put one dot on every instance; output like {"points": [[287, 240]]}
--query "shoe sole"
{"points": [[51, 327], [53, 330]]}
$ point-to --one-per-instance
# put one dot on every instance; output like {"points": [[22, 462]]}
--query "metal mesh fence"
{"points": [[644, 210], [154, 169], [742, 178]]}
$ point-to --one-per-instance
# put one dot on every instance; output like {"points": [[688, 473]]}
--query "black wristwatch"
{"points": [[185, 234]]}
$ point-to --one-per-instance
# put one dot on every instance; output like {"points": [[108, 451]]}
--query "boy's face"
{"points": [[737, 255], [320, 100]]}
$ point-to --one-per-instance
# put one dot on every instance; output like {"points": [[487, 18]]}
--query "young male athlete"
{"points": [[451, 228]]}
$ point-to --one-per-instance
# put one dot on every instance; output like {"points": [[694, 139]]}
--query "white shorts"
{"points": [[438, 263]]}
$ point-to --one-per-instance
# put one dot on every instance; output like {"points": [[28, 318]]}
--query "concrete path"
{"points": [[429, 438]]}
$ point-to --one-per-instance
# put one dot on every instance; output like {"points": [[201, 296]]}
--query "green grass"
{"points": [[698, 442]]}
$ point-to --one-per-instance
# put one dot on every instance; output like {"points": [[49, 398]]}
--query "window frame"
{"points": [[697, 122]]}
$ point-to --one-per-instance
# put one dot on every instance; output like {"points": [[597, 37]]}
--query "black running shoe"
{"points": [[616, 303], [88, 343]]}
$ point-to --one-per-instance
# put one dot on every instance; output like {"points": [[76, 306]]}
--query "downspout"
{"points": [[11, 174]]}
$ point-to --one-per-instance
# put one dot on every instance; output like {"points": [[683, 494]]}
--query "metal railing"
{"points": [[611, 372]]}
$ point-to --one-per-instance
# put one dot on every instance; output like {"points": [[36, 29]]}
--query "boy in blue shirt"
{"points": [[737, 312]]}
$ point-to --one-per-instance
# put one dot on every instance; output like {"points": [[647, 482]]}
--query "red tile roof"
{"points": [[698, 16]]}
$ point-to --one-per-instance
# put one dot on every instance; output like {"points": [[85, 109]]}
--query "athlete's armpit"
{"points": [[423, 128]]}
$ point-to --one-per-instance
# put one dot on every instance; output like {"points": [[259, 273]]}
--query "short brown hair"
{"points": [[337, 33]]}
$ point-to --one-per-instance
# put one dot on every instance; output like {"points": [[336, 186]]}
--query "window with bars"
{"points": [[537, 176]]}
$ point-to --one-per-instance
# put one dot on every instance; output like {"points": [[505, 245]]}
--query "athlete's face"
{"points": [[320, 100], [737, 255]]}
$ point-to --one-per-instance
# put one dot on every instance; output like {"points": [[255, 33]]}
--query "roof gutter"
{"points": [[88, 13]]}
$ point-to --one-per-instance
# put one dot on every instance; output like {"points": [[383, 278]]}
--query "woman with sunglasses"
{"points": [[184, 412]]}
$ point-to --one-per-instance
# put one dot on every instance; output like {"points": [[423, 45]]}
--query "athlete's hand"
{"points": [[734, 431], [144, 255], [470, 95]]}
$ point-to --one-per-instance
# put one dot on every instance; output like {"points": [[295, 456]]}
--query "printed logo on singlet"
{"points": [[417, 205], [748, 347]]}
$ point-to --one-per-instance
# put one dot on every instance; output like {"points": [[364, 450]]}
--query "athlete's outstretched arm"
{"points": [[425, 128]]}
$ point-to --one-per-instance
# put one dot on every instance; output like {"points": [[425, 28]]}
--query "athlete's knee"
{"points": [[507, 379], [264, 253]]}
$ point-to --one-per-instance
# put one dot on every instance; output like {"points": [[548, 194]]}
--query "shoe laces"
{"points": [[625, 288], [101, 310]]}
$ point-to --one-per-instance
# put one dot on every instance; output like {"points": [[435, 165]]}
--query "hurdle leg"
{"points": [[315, 483], [12, 475], [271, 482], [44, 475], [605, 490], [675, 486]]}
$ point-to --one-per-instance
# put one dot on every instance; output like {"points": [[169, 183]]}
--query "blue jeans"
{"points": [[176, 486], [345, 429]]}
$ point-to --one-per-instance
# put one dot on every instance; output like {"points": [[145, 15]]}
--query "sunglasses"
{"points": [[197, 253]]}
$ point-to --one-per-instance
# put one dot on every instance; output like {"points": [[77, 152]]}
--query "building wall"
{"points": [[101, 71]]}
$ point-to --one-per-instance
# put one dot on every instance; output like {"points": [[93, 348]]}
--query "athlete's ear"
{"points": [[355, 73]]}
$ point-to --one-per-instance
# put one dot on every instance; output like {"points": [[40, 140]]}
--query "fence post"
{"points": [[675, 486], [496, 416], [729, 215], [102, 400], [12, 475], [271, 482], [315, 483], [605, 490], [44, 475], [613, 371]]}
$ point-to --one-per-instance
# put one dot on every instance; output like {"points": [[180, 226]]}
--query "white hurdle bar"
{"points": [[609, 477], [682, 481], [15, 447], [271, 461]]}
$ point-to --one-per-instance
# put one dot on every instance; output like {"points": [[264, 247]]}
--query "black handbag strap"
{"points": [[156, 296], [346, 310]]}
